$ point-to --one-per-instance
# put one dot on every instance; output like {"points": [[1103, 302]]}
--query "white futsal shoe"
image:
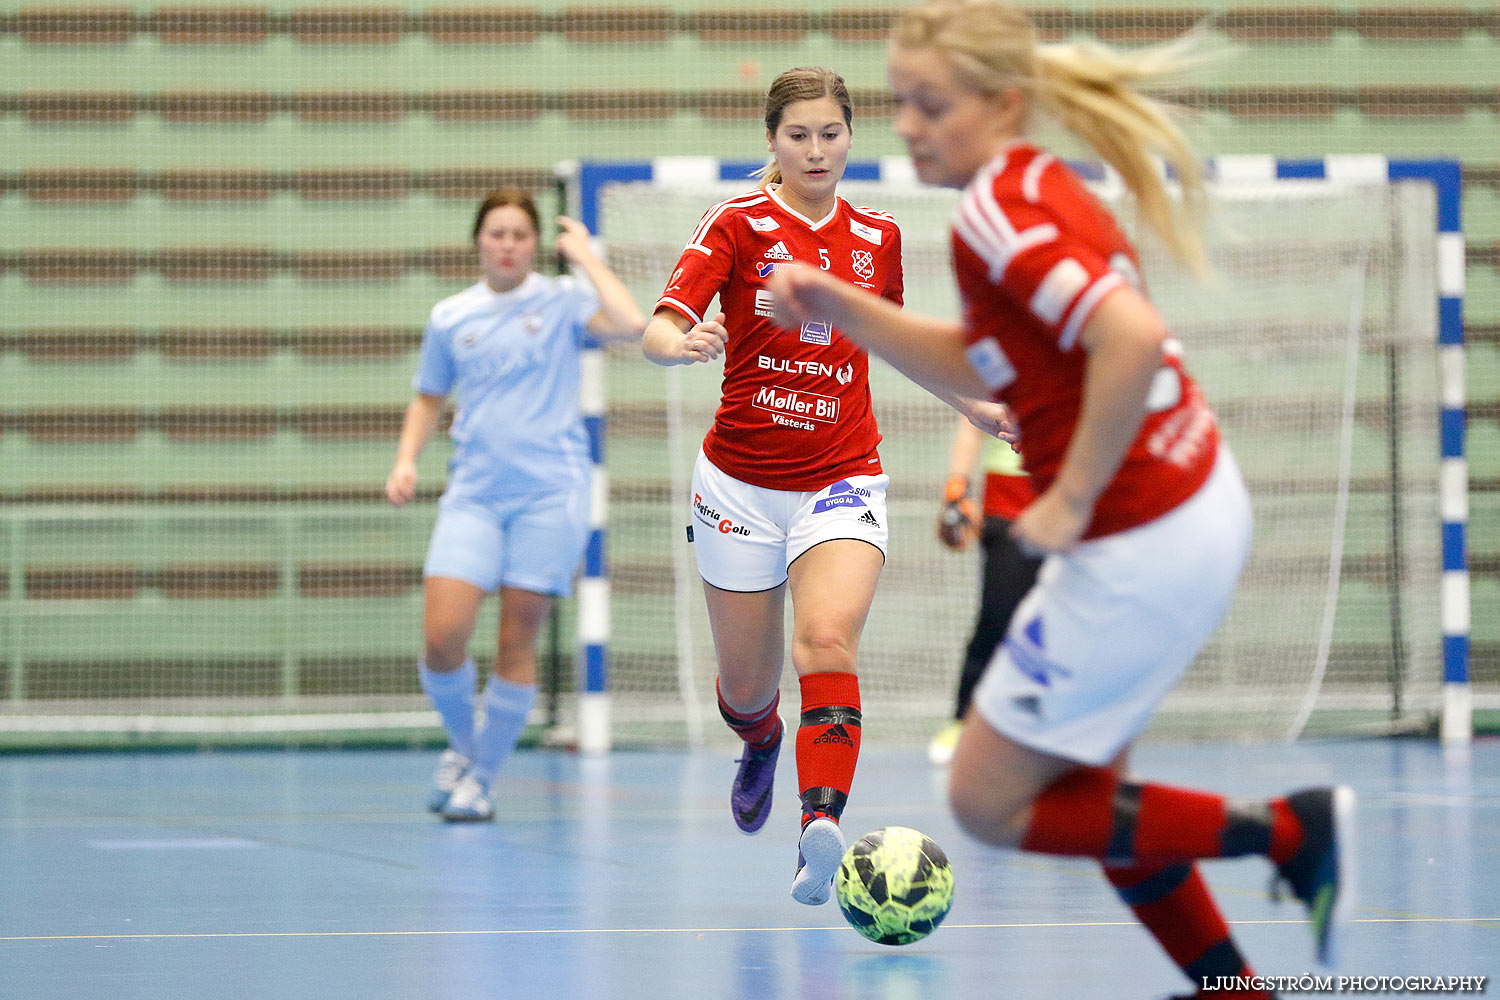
{"points": [[469, 803], [820, 849], [451, 767]]}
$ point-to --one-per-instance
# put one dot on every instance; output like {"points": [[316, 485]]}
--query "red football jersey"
{"points": [[795, 408], [1035, 253]]}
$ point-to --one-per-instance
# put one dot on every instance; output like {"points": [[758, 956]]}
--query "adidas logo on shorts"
{"points": [[1028, 703], [869, 518], [778, 252]]}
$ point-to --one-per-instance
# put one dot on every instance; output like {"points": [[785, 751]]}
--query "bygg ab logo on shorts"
{"points": [[842, 494]]}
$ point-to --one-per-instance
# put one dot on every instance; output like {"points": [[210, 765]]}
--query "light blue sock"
{"points": [[506, 706], [453, 697]]}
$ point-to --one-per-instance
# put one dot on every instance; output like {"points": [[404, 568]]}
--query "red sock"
{"points": [[1090, 812], [1174, 904], [827, 743], [759, 729]]}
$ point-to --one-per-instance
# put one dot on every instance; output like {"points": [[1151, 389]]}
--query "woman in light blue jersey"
{"points": [[514, 517]]}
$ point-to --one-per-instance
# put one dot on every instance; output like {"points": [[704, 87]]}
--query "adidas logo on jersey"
{"points": [[869, 518], [778, 252]]}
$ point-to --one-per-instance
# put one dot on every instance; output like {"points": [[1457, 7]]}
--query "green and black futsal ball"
{"points": [[894, 885]]}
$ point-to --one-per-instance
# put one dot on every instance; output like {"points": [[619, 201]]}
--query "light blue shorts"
{"points": [[531, 543]]}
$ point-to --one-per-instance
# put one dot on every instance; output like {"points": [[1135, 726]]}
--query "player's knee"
{"points": [[745, 694], [520, 643], [444, 649], [516, 661], [818, 650], [983, 812]]}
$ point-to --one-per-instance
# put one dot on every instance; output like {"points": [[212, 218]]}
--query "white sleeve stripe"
{"points": [[705, 251], [1031, 180], [877, 215], [965, 229], [990, 234], [717, 210], [981, 204], [999, 255], [1084, 308], [667, 300], [985, 239], [743, 201]]}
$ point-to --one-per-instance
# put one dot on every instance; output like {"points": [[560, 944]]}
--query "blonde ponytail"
{"points": [[1091, 90]]}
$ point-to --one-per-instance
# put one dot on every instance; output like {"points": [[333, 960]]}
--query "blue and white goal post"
{"points": [[1446, 178], [583, 186]]}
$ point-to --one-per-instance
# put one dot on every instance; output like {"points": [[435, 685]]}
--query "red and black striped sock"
{"points": [[1091, 812], [1174, 904], [758, 729], [827, 743]]}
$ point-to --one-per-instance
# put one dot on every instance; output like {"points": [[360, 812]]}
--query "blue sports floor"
{"points": [[317, 874]]}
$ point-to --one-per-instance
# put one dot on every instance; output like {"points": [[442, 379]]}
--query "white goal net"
{"points": [[1316, 345]]}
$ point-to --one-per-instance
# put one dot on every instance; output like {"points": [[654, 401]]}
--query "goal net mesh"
{"points": [[1315, 344]]}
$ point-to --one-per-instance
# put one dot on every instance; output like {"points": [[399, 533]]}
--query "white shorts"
{"points": [[1111, 627], [530, 543], [746, 536]]}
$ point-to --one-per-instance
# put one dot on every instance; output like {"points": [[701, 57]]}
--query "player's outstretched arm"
{"points": [[928, 351], [673, 339], [618, 318], [422, 416]]}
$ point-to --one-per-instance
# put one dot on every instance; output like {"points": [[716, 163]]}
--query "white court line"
{"points": [[532, 932], [176, 844]]}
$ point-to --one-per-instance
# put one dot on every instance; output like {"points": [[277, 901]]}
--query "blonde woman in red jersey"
{"points": [[1140, 506], [788, 493]]}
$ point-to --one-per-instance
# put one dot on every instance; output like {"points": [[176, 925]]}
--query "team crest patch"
{"points": [[816, 331], [863, 263], [764, 225]]}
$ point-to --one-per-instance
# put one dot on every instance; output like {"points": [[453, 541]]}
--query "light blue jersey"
{"points": [[512, 358]]}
